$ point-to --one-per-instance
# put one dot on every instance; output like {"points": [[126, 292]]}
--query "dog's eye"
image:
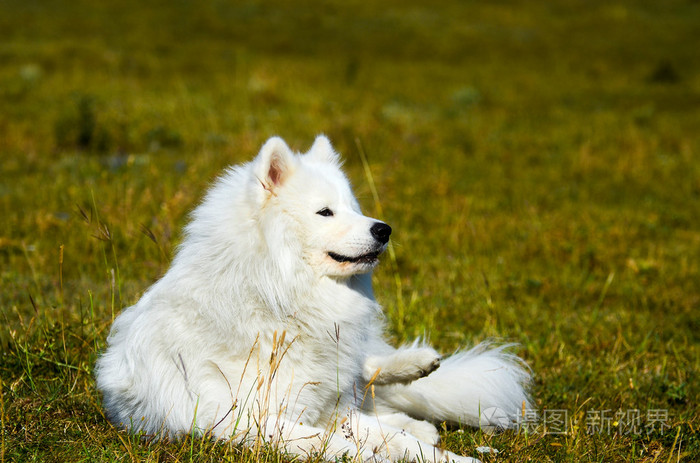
{"points": [[325, 212]]}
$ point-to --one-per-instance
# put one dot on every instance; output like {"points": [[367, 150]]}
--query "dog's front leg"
{"points": [[297, 438], [403, 365], [389, 442]]}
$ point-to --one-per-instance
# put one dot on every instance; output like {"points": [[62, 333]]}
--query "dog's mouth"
{"points": [[369, 258]]}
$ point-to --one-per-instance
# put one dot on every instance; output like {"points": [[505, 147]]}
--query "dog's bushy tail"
{"points": [[485, 386]]}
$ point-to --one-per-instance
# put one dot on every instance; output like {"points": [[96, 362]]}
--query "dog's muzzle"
{"points": [[380, 232]]}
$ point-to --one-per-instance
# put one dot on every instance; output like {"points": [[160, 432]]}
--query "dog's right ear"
{"points": [[274, 164]]}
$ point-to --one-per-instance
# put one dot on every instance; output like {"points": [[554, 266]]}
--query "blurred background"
{"points": [[537, 161]]}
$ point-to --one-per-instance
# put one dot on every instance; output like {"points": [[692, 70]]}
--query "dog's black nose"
{"points": [[381, 232]]}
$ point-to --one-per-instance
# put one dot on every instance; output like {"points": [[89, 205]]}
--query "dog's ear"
{"points": [[274, 164], [323, 151]]}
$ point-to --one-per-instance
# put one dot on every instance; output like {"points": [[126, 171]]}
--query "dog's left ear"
{"points": [[274, 164], [323, 151]]}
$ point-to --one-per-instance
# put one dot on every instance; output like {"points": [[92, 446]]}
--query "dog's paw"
{"points": [[449, 457], [423, 431], [423, 362], [412, 364], [403, 366]]}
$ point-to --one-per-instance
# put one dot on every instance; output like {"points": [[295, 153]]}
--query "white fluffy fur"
{"points": [[257, 333]]}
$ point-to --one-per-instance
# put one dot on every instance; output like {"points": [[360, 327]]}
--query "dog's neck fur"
{"points": [[303, 294]]}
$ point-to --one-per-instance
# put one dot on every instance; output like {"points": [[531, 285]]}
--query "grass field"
{"points": [[539, 163]]}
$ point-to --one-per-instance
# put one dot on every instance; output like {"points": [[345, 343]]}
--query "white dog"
{"points": [[265, 329]]}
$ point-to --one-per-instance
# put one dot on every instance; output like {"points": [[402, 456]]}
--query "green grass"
{"points": [[538, 163]]}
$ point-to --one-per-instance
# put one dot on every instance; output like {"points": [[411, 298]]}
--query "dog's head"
{"points": [[307, 204]]}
